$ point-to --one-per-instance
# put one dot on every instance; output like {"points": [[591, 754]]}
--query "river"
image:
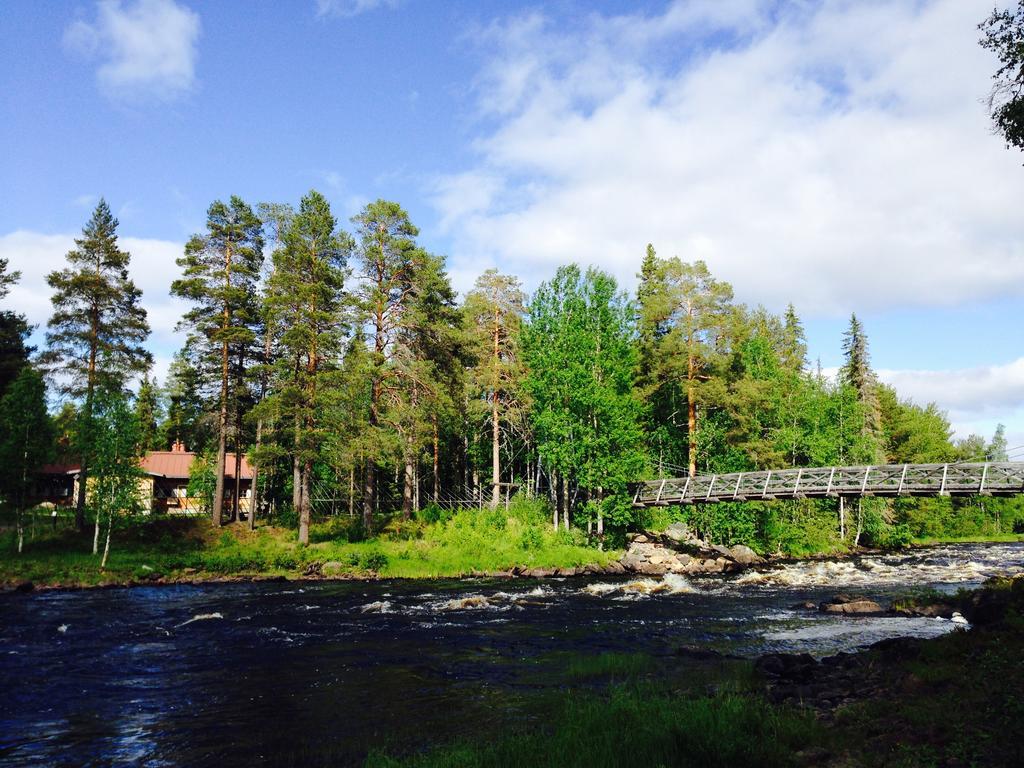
{"points": [[235, 674]]}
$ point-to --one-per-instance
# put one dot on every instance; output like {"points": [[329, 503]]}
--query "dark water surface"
{"points": [[272, 673]]}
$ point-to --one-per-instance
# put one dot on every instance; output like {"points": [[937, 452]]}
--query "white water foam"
{"points": [[201, 617]]}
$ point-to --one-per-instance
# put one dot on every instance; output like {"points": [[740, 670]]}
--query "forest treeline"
{"points": [[344, 365]]}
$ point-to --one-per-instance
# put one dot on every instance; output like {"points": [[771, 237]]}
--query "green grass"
{"points": [[639, 725], [471, 541], [615, 666], [927, 541]]}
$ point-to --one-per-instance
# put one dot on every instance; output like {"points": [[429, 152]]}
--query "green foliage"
{"points": [[1003, 34], [581, 360], [202, 480], [638, 725]]}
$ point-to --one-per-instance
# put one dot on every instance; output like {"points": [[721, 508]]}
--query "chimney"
{"points": [[178, 447]]}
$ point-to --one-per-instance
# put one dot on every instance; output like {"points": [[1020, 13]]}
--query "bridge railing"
{"points": [[954, 479]]}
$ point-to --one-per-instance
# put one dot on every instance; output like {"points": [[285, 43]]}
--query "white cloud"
{"points": [[349, 8], [835, 155], [147, 48], [152, 268], [976, 399]]}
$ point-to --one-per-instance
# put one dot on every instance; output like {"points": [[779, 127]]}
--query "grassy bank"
{"points": [[929, 541], [955, 700], [190, 548]]}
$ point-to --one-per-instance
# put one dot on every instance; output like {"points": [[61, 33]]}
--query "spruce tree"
{"points": [[147, 413], [98, 326], [305, 298], [221, 269], [856, 373]]}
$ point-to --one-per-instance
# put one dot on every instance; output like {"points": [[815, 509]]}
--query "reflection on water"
{"points": [[277, 673]]}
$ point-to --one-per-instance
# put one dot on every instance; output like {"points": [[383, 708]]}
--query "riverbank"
{"points": [[174, 550], [950, 701], [515, 542]]}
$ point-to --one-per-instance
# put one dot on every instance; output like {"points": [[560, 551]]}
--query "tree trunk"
{"points": [[222, 440], [296, 478], [351, 490], [691, 396], [407, 483], [236, 513], [437, 461], [110, 527], [556, 501], [369, 493], [691, 421], [254, 495], [307, 473], [495, 453], [565, 503]]}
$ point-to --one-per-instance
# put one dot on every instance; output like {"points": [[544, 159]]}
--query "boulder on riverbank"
{"points": [[679, 550], [846, 604]]}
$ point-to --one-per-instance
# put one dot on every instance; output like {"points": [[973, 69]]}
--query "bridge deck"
{"points": [[987, 479]]}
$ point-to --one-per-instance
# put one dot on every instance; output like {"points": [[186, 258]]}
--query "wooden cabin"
{"points": [[163, 489]]}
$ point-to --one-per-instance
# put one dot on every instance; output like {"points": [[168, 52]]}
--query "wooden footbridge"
{"points": [[959, 479]]}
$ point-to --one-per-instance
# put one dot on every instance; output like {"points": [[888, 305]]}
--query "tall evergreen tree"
{"points": [[429, 369], [98, 325], [686, 310], [793, 354], [305, 297], [389, 261], [856, 373], [148, 414], [493, 315], [221, 269]]}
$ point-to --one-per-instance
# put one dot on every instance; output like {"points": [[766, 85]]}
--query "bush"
{"points": [[375, 561], [531, 539]]}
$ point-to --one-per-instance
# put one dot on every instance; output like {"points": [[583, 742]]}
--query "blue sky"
{"points": [[833, 154]]}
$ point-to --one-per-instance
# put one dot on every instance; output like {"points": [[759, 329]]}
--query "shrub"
{"points": [[531, 539], [375, 561]]}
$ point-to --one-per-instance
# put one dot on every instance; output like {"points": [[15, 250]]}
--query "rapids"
{"points": [[272, 673]]}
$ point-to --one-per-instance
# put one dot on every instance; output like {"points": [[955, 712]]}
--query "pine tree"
{"points": [[389, 261], [493, 315], [305, 297], [98, 325], [688, 311], [220, 273], [428, 368], [26, 440]]}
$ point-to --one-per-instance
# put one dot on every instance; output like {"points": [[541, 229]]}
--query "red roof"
{"points": [[57, 469], [176, 464]]}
